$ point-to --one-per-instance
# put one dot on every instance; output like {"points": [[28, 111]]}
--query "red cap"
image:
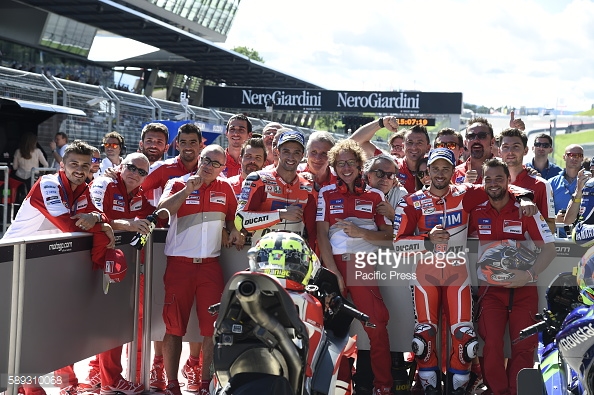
{"points": [[115, 265]]}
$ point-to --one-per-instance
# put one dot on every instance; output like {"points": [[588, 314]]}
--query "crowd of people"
{"points": [[347, 199]]}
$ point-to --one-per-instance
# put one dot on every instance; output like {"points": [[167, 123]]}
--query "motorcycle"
{"points": [[270, 340], [566, 343]]}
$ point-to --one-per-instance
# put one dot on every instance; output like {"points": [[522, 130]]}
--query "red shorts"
{"points": [[185, 282]]}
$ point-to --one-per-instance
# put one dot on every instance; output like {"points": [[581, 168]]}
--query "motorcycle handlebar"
{"points": [[532, 329], [356, 314]]}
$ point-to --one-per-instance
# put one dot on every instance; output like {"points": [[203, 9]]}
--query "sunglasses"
{"points": [[422, 173], [381, 174], [474, 136], [134, 169], [111, 145], [344, 163], [207, 161], [450, 145], [95, 160], [574, 155], [542, 145]]}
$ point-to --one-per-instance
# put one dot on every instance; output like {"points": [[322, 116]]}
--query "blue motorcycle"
{"points": [[566, 342]]}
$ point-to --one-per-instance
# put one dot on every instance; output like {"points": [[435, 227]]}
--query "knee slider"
{"points": [[466, 342], [424, 340]]}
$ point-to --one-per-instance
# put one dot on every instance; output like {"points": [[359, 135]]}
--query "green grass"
{"points": [[563, 140], [587, 113]]}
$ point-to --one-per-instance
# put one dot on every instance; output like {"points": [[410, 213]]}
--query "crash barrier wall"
{"points": [[54, 311], [397, 294], [53, 308]]}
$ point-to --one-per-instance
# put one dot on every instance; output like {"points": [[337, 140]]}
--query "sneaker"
{"points": [[172, 389], [69, 390], [93, 382], [379, 391], [122, 387], [158, 379], [194, 376]]}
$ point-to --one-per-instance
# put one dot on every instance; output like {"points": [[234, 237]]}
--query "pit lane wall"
{"points": [[53, 311]]}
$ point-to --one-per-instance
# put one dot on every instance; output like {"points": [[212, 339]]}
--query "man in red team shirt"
{"points": [[124, 203], [60, 203], [189, 144], [512, 301], [514, 145], [201, 206], [253, 156], [279, 199], [318, 145], [239, 129]]}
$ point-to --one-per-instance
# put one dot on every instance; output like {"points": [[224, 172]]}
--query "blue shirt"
{"points": [[551, 170], [562, 191]]}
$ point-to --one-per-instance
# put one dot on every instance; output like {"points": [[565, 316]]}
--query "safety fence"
{"points": [[107, 109], [53, 311]]}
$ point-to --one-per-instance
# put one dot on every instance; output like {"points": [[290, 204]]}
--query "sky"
{"points": [[533, 53]]}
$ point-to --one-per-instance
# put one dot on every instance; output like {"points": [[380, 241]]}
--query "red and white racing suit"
{"points": [[47, 210], [337, 203], [263, 194], [111, 197]]}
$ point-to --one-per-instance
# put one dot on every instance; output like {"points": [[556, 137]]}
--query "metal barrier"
{"points": [[5, 194], [57, 306]]}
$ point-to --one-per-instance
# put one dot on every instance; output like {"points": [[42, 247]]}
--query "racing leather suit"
{"points": [[441, 271], [263, 194]]}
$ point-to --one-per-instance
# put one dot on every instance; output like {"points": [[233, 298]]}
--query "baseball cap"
{"points": [[115, 268], [441, 153], [291, 135]]}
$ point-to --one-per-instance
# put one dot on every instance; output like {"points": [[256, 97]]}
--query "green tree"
{"points": [[250, 53]]}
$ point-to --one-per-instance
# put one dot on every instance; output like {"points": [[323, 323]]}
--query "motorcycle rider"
{"points": [[432, 226]]}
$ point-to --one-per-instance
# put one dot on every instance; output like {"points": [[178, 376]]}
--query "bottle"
{"points": [[139, 240]]}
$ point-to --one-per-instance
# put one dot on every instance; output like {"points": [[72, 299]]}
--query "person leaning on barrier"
{"points": [[505, 266], [347, 222], [123, 202], [60, 203], [201, 206]]}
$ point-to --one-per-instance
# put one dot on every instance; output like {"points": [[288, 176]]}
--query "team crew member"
{"points": [[189, 141], [542, 148], [201, 205], [365, 133], [268, 134], [496, 222], [416, 145], [451, 139], [253, 156], [432, 225], [58, 147], [124, 203], [113, 144], [318, 145], [514, 145], [347, 220], [60, 203], [239, 129], [154, 141], [279, 199]]}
